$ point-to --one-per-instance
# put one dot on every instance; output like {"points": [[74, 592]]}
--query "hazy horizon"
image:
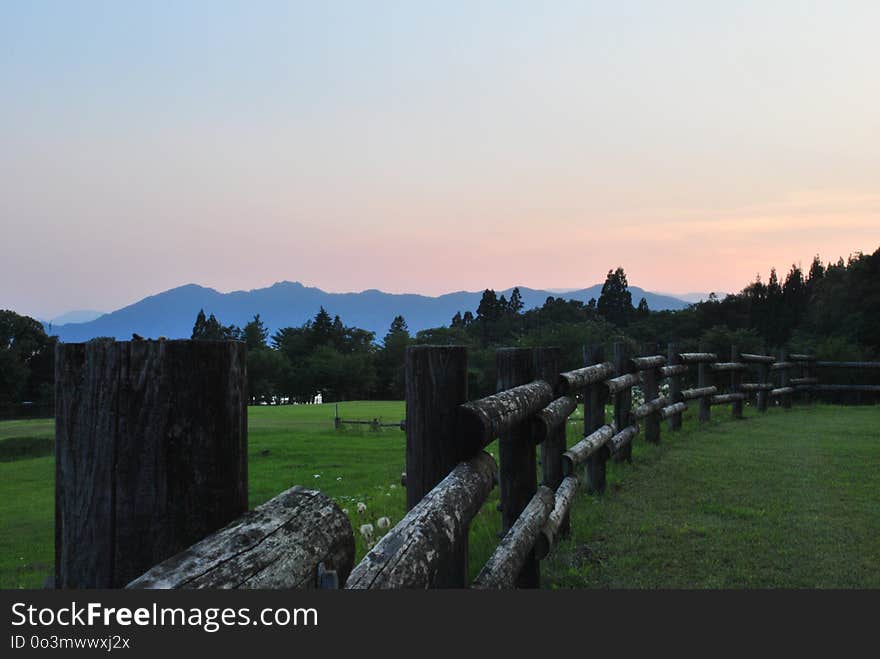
{"points": [[429, 147]]}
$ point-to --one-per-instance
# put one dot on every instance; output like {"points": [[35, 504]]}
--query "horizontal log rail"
{"points": [[781, 366], [798, 381], [723, 399], [692, 394], [278, 545], [550, 532], [481, 421], [672, 410], [578, 379], [782, 391], [622, 382], [623, 438], [831, 388], [756, 386], [698, 357], [867, 365], [411, 554], [799, 357], [649, 407], [757, 359], [553, 416], [677, 369], [503, 567], [584, 449], [728, 366], [645, 363]]}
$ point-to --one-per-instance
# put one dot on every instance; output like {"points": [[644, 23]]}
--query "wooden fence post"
{"points": [[736, 378], [547, 367], [704, 380], [651, 390], [675, 396], [763, 378], [783, 379], [150, 453], [595, 396], [516, 455], [622, 399], [436, 384]]}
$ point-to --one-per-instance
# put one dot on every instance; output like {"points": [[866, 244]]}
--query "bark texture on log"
{"points": [[698, 357], [723, 399], [757, 359], [797, 381], [486, 419], [279, 545], [782, 391], [650, 407], [595, 395], [677, 369], [553, 416], [623, 382], [781, 366], [151, 453], [584, 449], [848, 365], [673, 410], [756, 386], [517, 546], [736, 378], [702, 392], [644, 363], [571, 381], [728, 366], [623, 439], [674, 372], [846, 387], [552, 530], [801, 357], [622, 401], [410, 554]]}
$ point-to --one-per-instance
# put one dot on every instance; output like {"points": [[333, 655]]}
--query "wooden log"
{"points": [[279, 545], [484, 420], [756, 386], [623, 382], [516, 450], [736, 378], [757, 359], [623, 439], [586, 448], [517, 547], [802, 357], [553, 417], [677, 369], [704, 380], [553, 529], [412, 554], [649, 408], [798, 381], [571, 381], [764, 377], [866, 388], [150, 453], [595, 394], [728, 366], [698, 357], [436, 384], [552, 436], [783, 367], [673, 410], [865, 365], [782, 391], [701, 392], [649, 412], [646, 363], [723, 399], [674, 417], [622, 401]]}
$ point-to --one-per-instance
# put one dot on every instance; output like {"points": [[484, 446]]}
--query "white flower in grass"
{"points": [[317, 475], [383, 522], [361, 507], [367, 531], [345, 511], [339, 478], [393, 486]]}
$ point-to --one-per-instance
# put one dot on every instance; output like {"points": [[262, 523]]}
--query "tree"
{"points": [[516, 303], [26, 360], [255, 334], [615, 301], [390, 360]]}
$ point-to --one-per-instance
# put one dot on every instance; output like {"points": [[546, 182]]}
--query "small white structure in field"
{"points": [[318, 400]]}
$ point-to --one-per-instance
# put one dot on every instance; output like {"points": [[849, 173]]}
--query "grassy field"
{"points": [[785, 500]]}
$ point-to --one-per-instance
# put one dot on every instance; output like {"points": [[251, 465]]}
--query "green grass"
{"points": [[789, 499]]}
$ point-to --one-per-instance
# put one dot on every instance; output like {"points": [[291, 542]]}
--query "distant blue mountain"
{"points": [[289, 304]]}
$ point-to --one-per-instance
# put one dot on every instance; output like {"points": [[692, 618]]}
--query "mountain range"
{"points": [[290, 304]]}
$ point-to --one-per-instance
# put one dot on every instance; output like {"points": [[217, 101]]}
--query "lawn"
{"points": [[789, 499]]}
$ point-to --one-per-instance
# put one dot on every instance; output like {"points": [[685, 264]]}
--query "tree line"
{"points": [[832, 309]]}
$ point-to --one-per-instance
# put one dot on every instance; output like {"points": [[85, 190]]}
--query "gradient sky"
{"points": [[429, 146]]}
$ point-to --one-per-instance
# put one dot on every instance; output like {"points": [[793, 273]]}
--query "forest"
{"points": [[831, 310]]}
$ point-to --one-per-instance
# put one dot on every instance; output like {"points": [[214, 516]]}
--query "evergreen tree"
{"points": [[615, 301], [255, 334]]}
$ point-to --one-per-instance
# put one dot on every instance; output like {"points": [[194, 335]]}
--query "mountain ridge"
{"points": [[171, 313]]}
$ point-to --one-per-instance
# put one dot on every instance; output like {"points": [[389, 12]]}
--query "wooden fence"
{"points": [[118, 400]]}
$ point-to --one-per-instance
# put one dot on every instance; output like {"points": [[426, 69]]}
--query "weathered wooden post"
{"points": [[436, 384], [763, 378], [622, 399], [651, 389], [784, 377], [516, 455], [547, 365], [675, 396], [150, 453], [736, 377], [704, 380], [595, 396]]}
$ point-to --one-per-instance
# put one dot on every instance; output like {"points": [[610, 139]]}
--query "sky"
{"points": [[429, 146]]}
